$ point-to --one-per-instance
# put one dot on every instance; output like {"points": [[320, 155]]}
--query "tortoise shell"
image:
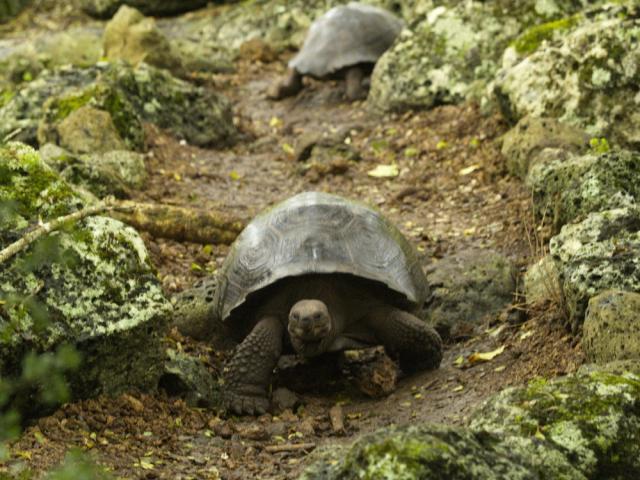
{"points": [[317, 232], [345, 36]]}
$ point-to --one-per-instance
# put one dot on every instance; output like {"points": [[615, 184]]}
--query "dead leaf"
{"points": [[469, 169], [384, 171], [485, 356]]}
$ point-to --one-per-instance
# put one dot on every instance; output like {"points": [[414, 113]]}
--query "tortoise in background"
{"points": [[347, 40], [318, 273]]}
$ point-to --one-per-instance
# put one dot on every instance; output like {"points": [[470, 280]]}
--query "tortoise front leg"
{"points": [[417, 344], [286, 87], [247, 375]]}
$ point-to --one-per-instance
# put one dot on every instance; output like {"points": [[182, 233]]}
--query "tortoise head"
{"points": [[310, 327]]}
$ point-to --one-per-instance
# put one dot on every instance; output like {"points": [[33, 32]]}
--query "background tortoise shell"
{"points": [[318, 233], [344, 36]]}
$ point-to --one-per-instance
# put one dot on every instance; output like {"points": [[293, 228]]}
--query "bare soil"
{"points": [[452, 192]]}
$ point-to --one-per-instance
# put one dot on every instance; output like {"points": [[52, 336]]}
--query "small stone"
{"points": [[284, 399]]}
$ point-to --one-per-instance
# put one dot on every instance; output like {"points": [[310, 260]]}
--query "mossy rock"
{"points": [[586, 76], [600, 253], [116, 172], [90, 284], [567, 187], [531, 135], [612, 327], [592, 419], [452, 52], [132, 37], [129, 95]]}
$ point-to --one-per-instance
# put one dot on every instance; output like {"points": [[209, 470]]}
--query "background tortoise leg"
{"points": [[417, 344], [353, 78], [287, 87], [247, 375]]}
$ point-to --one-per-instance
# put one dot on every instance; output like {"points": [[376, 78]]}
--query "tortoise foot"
{"points": [[246, 404], [288, 87]]}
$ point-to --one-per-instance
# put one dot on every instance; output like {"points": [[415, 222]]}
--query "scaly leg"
{"points": [[417, 344], [247, 375], [353, 78]]}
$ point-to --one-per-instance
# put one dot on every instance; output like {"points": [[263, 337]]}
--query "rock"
{"points": [[567, 187], [453, 51], [187, 376], [193, 314], [585, 76], [617, 367], [106, 8], [371, 370], [99, 292], [531, 135], [612, 327], [85, 130], [27, 57], [132, 37], [598, 254], [590, 419], [283, 399], [576, 427], [129, 95], [541, 282], [116, 172], [10, 8], [468, 287]]}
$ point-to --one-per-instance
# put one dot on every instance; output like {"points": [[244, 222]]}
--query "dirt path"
{"points": [[451, 192]]}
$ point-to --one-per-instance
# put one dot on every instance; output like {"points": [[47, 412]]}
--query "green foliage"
{"points": [[599, 145], [77, 466]]}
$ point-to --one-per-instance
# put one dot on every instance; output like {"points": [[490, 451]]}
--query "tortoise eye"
{"points": [[295, 316]]}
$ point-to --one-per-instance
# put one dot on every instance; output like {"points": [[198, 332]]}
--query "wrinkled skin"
{"points": [[316, 314]]}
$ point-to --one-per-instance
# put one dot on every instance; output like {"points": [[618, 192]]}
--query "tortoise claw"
{"points": [[243, 404]]}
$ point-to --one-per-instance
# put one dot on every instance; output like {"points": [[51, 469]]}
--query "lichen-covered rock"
{"points": [[129, 95], [116, 172], [579, 427], [106, 8], [593, 420], [132, 37], [187, 376], [99, 291], [541, 282], [531, 135], [454, 51], [612, 327], [85, 130], [194, 312], [468, 287], [587, 77], [23, 59], [568, 187], [600, 253]]}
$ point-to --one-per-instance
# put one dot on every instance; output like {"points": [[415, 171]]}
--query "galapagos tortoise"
{"points": [[348, 40], [319, 273]]}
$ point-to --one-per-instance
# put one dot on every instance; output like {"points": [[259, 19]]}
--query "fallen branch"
{"points": [[165, 221], [179, 223], [289, 447], [50, 226]]}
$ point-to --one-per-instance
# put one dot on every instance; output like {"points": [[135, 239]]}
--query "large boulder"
{"points": [[612, 327], [587, 76], [132, 37], [567, 187], [600, 253], [583, 426], [129, 95], [468, 288], [90, 284], [106, 8], [454, 51]]}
